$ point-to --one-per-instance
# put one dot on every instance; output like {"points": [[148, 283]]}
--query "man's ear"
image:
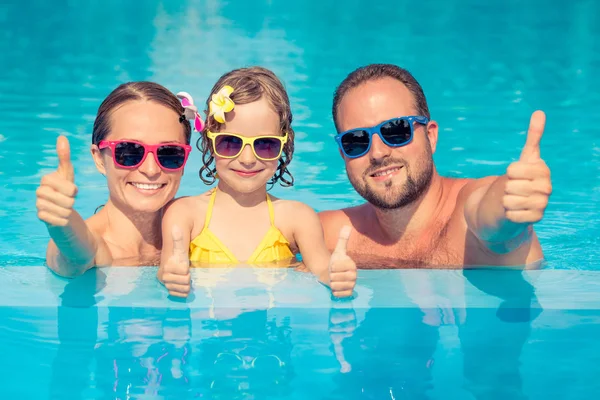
{"points": [[432, 135]]}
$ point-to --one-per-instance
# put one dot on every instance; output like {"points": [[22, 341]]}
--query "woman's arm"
{"points": [[73, 247]]}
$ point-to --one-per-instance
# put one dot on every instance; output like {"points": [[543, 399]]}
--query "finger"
{"points": [[342, 243], [52, 208], [519, 187], [342, 265], [531, 150], [525, 187], [49, 194], [169, 277], [175, 288], [57, 182], [179, 252], [512, 202], [342, 293], [343, 284], [524, 216], [52, 219], [524, 170], [343, 271], [178, 294], [533, 202], [65, 168]]}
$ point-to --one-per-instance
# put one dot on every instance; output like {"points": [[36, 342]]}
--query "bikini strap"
{"points": [[211, 203], [271, 211]]}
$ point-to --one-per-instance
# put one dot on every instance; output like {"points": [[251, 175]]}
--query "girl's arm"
{"points": [[174, 270], [336, 270]]}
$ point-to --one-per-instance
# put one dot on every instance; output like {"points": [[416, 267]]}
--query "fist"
{"points": [[55, 196], [175, 275], [528, 186], [342, 269]]}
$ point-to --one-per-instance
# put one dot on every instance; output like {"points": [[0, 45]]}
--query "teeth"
{"points": [[147, 186], [386, 172]]}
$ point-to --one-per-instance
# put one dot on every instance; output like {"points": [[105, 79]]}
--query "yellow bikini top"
{"points": [[207, 248]]}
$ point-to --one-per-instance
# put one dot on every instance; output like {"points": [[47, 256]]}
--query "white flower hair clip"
{"points": [[190, 110]]}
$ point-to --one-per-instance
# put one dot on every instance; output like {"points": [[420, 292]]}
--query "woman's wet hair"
{"points": [[135, 91], [250, 85]]}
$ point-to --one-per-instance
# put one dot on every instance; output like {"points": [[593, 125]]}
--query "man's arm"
{"points": [[501, 211]]}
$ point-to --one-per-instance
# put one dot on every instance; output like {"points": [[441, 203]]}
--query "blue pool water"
{"points": [[484, 66]]}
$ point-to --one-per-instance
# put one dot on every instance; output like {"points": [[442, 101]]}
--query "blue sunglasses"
{"points": [[395, 132]]}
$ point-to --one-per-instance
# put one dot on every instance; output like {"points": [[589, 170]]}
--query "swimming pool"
{"points": [[484, 69]]}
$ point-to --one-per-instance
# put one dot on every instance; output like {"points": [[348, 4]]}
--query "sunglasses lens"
{"points": [[171, 157], [396, 132], [267, 148], [129, 154], [355, 143], [227, 145]]}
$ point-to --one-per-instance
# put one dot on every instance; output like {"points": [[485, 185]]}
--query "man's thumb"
{"points": [[63, 150]]}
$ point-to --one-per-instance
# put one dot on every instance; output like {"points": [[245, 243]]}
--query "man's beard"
{"points": [[395, 196]]}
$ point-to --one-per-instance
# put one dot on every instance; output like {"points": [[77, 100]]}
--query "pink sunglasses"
{"points": [[131, 154]]}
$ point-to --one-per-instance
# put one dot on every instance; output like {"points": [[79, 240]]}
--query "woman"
{"points": [[140, 142]]}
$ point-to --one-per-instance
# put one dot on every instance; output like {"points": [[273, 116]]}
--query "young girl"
{"points": [[248, 135]]}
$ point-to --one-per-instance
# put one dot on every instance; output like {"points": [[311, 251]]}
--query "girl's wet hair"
{"points": [[250, 85], [132, 91]]}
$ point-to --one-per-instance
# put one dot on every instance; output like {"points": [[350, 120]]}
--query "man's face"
{"points": [[387, 177]]}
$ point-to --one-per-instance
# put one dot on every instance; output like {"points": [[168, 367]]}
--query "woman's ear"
{"points": [[97, 156]]}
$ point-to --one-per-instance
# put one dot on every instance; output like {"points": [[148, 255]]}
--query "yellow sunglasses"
{"points": [[230, 145]]}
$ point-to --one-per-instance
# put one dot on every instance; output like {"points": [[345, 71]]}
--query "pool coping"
{"points": [[37, 286]]}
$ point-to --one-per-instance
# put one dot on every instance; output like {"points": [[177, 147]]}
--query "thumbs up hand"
{"points": [[342, 270], [56, 193], [175, 274], [528, 187]]}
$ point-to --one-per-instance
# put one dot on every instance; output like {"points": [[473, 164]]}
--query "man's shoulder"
{"points": [[333, 220], [340, 216]]}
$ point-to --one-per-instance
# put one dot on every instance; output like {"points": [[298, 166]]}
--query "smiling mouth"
{"points": [[385, 172], [148, 186], [246, 173]]}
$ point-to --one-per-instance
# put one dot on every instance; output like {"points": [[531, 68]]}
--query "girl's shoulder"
{"points": [[198, 200], [187, 206], [292, 208]]}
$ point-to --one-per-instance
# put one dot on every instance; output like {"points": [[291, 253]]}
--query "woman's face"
{"points": [[148, 187]]}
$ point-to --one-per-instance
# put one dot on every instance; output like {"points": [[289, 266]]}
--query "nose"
{"points": [[379, 150], [150, 167], [247, 157]]}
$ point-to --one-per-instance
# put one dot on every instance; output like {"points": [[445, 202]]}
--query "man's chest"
{"points": [[436, 250]]}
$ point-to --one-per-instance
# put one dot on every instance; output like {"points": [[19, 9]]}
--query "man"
{"points": [[413, 216]]}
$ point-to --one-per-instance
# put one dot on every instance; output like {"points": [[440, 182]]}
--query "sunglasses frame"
{"points": [[246, 141], [148, 148], [376, 130]]}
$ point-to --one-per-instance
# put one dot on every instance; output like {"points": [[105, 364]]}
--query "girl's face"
{"points": [[147, 187], [247, 173]]}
